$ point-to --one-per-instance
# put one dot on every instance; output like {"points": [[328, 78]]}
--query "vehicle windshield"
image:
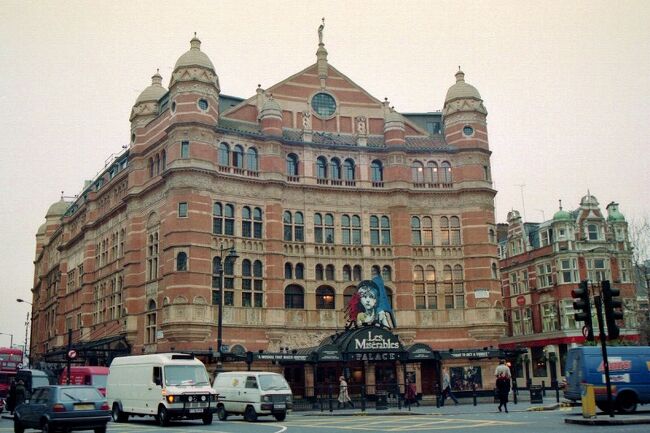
{"points": [[38, 381], [270, 382], [99, 380], [77, 393], [186, 375]]}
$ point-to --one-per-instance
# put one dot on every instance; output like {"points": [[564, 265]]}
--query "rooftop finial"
{"points": [[560, 204], [320, 32]]}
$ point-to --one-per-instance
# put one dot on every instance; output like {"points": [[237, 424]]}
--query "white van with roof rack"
{"points": [[252, 393], [163, 385]]}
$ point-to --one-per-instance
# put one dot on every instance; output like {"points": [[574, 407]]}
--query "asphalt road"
{"points": [[483, 418]]}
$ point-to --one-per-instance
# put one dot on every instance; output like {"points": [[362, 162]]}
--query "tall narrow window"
{"points": [[294, 297], [454, 223], [329, 273], [251, 159], [247, 283], [448, 287], [238, 157], [386, 273], [217, 219], [181, 261], [258, 284], [376, 171], [348, 169], [299, 227], [229, 282], [229, 220], [224, 154], [288, 271], [417, 172], [347, 273], [321, 168], [431, 173], [325, 298], [300, 271], [182, 210], [257, 223], [318, 228], [419, 288], [416, 236], [459, 287], [164, 160], [150, 166], [356, 230], [444, 231], [319, 272], [335, 171], [216, 280], [346, 230], [357, 273], [246, 223], [292, 164], [185, 149], [287, 221], [152, 256], [446, 172], [374, 230], [329, 229], [385, 230], [150, 327]]}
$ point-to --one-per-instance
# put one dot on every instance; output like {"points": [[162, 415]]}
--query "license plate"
{"points": [[279, 406], [196, 410], [84, 406]]}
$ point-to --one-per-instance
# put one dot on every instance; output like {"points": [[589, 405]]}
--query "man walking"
{"points": [[446, 388]]}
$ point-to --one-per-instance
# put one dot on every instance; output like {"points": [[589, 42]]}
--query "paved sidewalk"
{"points": [[449, 409]]}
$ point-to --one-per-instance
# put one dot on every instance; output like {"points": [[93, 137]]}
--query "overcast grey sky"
{"points": [[566, 85]]}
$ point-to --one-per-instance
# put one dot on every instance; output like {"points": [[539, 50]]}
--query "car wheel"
{"points": [[118, 415], [18, 426], [280, 416], [207, 418], [163, 416], [250, 415], [626, 402], [221, 413], [100, 429]]}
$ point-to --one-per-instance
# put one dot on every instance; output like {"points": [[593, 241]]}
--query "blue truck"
{"points": [[629, 368]]}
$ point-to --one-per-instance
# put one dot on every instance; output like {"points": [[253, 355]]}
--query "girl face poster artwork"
{"points": [[370, 306]]}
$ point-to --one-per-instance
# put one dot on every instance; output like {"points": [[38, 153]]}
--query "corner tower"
{"points": [[465, 115]]}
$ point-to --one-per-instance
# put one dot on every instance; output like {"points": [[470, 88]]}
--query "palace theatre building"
{"points": [[317, 185]]}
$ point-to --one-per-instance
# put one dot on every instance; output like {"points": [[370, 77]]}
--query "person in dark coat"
{"points": [[11, 396], [503, 389], [20, 394]]}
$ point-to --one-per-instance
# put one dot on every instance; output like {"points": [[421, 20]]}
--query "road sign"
{"points": [[585, 331], [20, 365], [72, 354]]}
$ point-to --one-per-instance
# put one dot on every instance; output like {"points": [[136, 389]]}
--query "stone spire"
{"points": [[321, 56]]}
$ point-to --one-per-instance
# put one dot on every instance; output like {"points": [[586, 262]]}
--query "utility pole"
{"points": [[603, 344]]}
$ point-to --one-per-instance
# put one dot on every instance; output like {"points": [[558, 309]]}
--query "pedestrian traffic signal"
{"points": [[611, 314], [582, 306]]}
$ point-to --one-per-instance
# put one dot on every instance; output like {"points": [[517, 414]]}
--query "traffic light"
{"points": [[582, 306], [612, 315]]}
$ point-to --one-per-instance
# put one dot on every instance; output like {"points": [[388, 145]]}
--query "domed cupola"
{"points": [[394, 130], [561, 215], [613, 214], [194, 65], [271, 117], [146, 106], [57, 210], [464, 115]]}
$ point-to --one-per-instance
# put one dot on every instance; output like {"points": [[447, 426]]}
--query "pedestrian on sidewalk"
{"points": [[503, 389], [446, 388], [411, 393], [344, 397], [502, 369]]}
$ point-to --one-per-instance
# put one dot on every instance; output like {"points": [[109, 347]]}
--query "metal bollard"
{"points": [[363, 398], [474, 394], [329, 392], [543, 389]]}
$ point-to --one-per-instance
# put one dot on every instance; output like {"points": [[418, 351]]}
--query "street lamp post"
{"points": [[11, 344], [19, 300], [219, 265]]}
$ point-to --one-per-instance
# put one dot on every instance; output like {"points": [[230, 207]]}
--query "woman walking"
{"points": [[503, 389], [344, 397]]}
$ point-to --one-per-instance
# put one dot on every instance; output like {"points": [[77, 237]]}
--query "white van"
{"points": [[164, 385], [252, 393]]}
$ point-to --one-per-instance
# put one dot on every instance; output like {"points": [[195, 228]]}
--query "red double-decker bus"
{"points": [[10, 362]]}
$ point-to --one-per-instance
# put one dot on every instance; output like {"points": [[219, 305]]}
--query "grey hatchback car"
{"points": [[63, 407]]}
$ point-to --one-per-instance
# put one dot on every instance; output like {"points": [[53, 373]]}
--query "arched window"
{"points": [[417, 172], [150, 327], [323, 229], [376, 171], [374, 230], [348, 169], [164, 160], [258, 284], [444, 231], [325, 298], [357, 273], [385, 230], [356, 230], [299, 228], [287, 221], [335, 170], [238, 157], [454, 223], [157, 164], [246, 223], [251, 159], [375, 271], [386, 273], [152, 256], [224, 154], [181, 261], [292, 164], [431, 173], [492, 237], [217, 218], [321, 167], [294, 297], [416, 235], [288, 271], [346, 234], [329, 273], [229, 220], [494, 271], [459, 287], [427, 231], [446, 172], [319, 272], [329, 228], [300, 271], [347, 273], [257, 223]]}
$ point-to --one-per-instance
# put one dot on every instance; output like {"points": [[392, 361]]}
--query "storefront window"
{"points": [[539, 362]]}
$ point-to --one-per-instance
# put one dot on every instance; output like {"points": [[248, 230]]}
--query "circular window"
{"points": [[323, 104], [468, 130], [203, 104], [174, 106]]}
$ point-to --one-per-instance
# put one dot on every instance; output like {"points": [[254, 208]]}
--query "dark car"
{"points": [[63, 407]]}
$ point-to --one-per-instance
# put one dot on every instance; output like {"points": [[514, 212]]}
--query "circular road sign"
{"points": [[585, 331], [72, 354]]}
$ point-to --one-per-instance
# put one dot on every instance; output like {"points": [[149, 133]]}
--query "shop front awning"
{"points": [[471, 354]]}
